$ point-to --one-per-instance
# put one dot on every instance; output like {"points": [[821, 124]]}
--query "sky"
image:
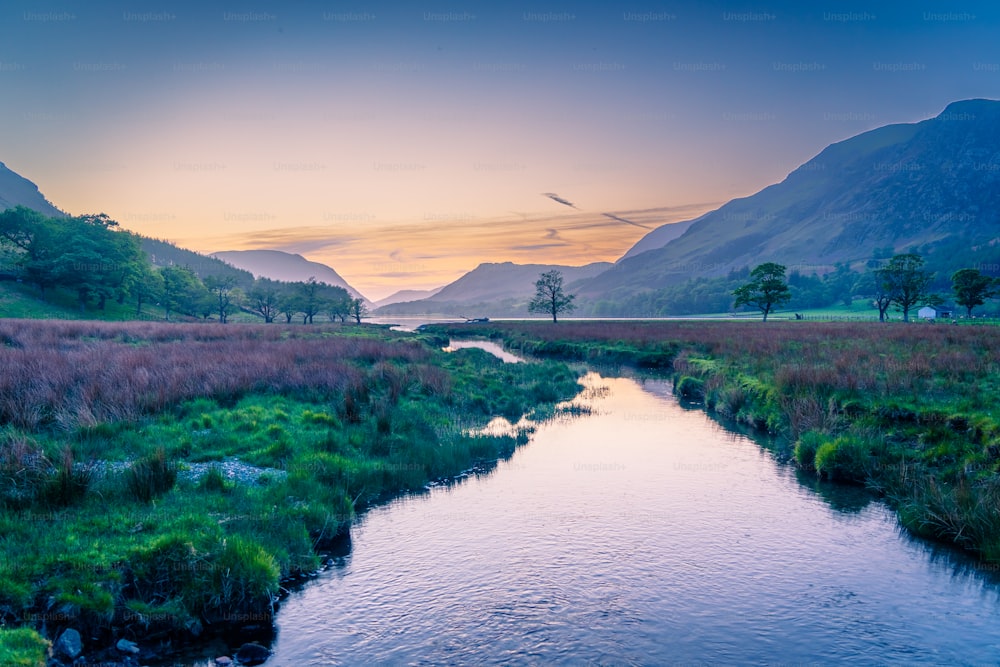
{"points": [[403, 143]]}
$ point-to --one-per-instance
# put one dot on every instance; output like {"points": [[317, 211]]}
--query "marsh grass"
{"points": [[100, 523]]}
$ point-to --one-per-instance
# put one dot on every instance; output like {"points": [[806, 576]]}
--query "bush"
{"points": [[245, 576], [847, 459], [691, 388], [150, 477], [806, 446], [213, 481]]}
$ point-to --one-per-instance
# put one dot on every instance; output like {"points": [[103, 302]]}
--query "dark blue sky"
{"points": [[419, 136]]}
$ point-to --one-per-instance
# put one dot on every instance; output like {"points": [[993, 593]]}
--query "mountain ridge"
{"points": [[285, 267], [901, 185]]}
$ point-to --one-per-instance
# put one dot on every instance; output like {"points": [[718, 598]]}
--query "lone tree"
{"points": [[972, 288], [903, 278], [358, 309], [550, 297], [766, 290]]}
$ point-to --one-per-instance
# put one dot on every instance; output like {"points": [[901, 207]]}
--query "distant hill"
{"points": [[495, 290], [406, 295], [284, 266], [929, 184], [164, 253], [16, 190]]}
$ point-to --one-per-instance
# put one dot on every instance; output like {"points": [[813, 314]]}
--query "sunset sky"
{"points": [[404, 143]]}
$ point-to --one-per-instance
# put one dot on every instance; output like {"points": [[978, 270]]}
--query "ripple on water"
{"points": [[642, 533]]}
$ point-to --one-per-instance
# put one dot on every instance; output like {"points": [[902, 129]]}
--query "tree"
{"points": [[358, 310], [227, 297], [148, 286], [264, 299], [340, 307], [903, 278], [972, 288], [181, 290], [550, 297], [309, 303], [766, 290]]}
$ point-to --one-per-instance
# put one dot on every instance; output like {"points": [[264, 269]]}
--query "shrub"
{"points": [[806, 446], [150, 477], [213, 481], [846, 458], [244, 576], [691, 388]]}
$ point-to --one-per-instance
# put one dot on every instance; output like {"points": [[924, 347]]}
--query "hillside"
{"points": [[16, 190], [659, 237], [904, 186], [164, 253], [406, 295], [492, 289], [286, 267]]}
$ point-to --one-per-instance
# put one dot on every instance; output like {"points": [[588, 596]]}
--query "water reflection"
{"points": [[643, 533]]}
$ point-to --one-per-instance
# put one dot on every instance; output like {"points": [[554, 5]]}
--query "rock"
{"points": [[252, 654], [125, 646], [69, 645], [223, 661]]}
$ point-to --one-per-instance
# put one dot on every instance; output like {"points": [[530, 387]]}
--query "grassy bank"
{"points": [[909, 410], [158, 478]]}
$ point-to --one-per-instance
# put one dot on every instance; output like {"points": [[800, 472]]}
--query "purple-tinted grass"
{"points": [[68, 373]]}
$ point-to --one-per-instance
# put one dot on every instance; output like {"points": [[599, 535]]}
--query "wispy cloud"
{"points": [[376, 255]]}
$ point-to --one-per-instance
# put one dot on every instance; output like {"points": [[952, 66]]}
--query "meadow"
{"points": [[909, 410], [159, 480]]}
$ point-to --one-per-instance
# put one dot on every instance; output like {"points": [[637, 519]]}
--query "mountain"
{"points": [[283, 266], [659, 237], [927, 184], [496, 290], [16, 190], [164, 253], [406, 295]]}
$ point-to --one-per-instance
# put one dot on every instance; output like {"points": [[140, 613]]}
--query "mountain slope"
{"points": [[164, 253], [283, 266], [16, 190], [497, 290], [406, 295], [898, 186], [659, 237]]}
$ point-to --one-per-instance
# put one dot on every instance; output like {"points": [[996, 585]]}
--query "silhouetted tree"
{"points": [[358, 310], [550, 297]]}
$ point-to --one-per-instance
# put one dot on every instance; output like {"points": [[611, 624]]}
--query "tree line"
{"points": [[902, 281], [92, 257]]}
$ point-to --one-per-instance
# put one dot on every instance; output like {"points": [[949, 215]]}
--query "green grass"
{"points": [[22, 647], [19, 300], [137, 544]]}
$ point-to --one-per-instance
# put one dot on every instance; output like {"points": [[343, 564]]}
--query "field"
{"points": [[910, 410], [160, 479]]}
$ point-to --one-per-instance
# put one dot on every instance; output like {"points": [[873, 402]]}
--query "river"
{"points": [[643, 533]]}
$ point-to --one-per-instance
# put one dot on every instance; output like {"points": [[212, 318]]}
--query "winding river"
{"points": [[642, 533]]}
